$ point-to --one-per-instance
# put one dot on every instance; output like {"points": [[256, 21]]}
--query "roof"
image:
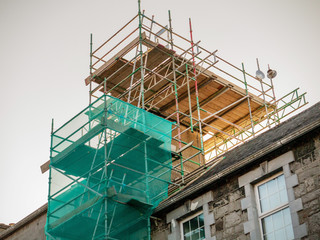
{"points": [[40, 211], [4, 226], [250, 151]]}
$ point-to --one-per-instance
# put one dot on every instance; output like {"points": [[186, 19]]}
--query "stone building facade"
{"points": [[229, 196], [268, 186]]}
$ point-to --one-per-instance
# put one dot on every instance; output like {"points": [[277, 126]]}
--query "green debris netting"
{"points": [[110, 167]]}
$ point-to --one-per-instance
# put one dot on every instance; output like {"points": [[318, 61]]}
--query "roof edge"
{"points": [[279, 143], [40, 211]]}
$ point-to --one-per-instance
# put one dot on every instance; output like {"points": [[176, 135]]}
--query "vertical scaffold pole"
{"points": [[248, 97], [274, 97], [105, 168], [134, 70], [141, 57], [175, 81], [189, 98], [90, 88], [50, 177], [196, 87], [264, 97]]}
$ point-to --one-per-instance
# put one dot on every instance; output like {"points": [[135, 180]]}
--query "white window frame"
{"points": [[248, 181], [272, 211], [188, 219]]}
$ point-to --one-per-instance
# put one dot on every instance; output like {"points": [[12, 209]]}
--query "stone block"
{"points": [[236, 195], [243, 237], [213, 229], [220, 202], [309, 183], [296, 205], [220, 212], [310, 196], [176, 213], [219, 235], [295, 166], [233, 219], [292, 181], [314, 223], [300, 231], [228, 232], [294, 219], [300, 190], [239, 229], [291, 195], [249, 177], [248, 227], [219, 225], [245, 203], [234, 206], [311, 170], [312, 207]]}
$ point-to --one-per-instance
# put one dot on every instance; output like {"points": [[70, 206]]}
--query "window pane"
{"points": [[278, 226], [263, 191], [269, 236], [194, 228], [201, 220], [267, 225], [278, 221], [202, 233], [272, 194], [281, 182], [287, 217], [274, 200], [195, 235], [194, 223], [265, 206], [186, 227], [289, 232], [272, 186], [283, 196], [280, 234]]}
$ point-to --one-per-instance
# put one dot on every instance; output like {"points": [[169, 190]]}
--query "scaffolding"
{"points": [[110, 167], [161, 106], [154, 68]]}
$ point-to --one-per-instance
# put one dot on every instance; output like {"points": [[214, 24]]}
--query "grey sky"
{"points": [[44, 59]]}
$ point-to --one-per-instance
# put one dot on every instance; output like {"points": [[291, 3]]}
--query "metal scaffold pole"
{"points": [[196, 87], [175, 92], [248, 98], [90, 88], [141, 57]]}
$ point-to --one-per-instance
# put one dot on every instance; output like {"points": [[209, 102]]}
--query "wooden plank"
{"points": [[184, 95], [236, 88], [45, 167], [209, 99]]}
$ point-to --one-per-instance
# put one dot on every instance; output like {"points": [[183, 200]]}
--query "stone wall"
{"points": [[226, 207], [159, 229], [307, 168], [300, 162]]}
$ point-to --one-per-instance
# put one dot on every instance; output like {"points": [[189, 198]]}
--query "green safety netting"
{"points": [[110, 167]]}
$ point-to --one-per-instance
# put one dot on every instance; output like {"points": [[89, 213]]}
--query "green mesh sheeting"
{"points": [[110, 167]]}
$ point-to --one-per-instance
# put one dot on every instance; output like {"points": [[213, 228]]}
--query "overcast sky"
{"points": [[44, 59]]}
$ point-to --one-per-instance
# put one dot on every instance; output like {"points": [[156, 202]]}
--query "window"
{"points": [[273, 209], [192, 228]]}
